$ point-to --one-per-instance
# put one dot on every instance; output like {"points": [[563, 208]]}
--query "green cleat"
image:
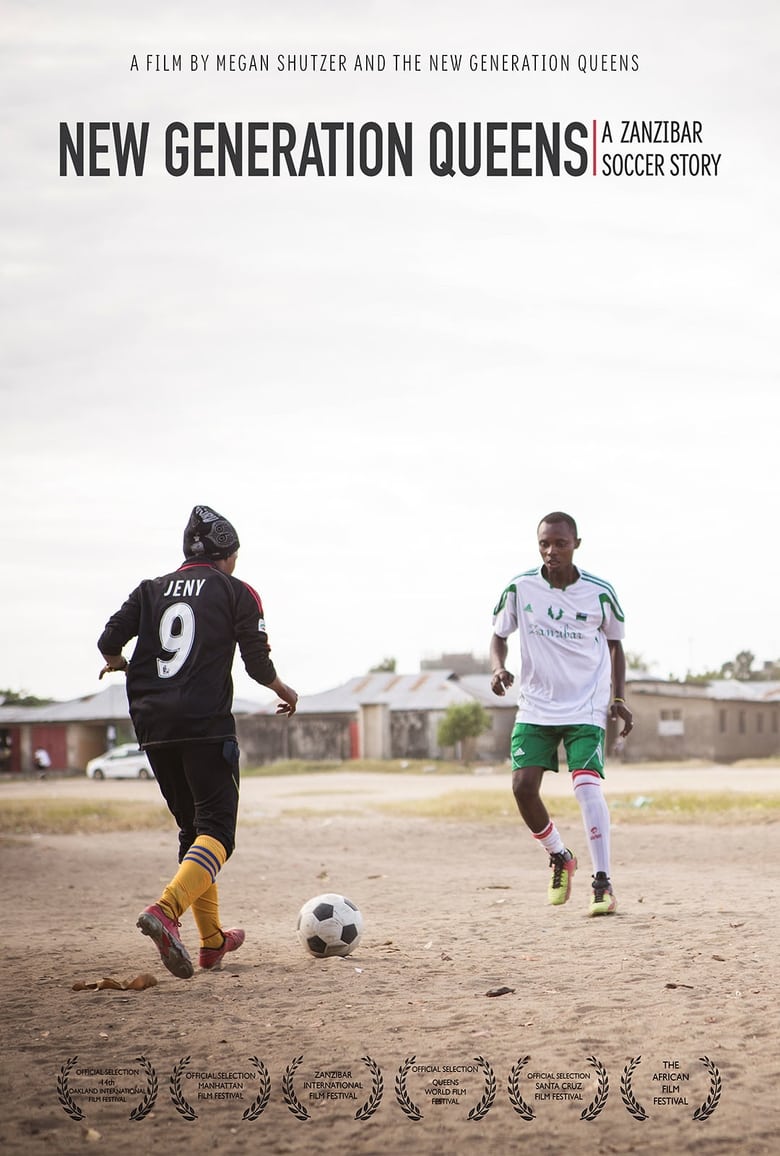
{"points": [[564, 865], [603, 901]]}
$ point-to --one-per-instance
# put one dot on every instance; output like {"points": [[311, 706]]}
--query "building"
{"points": [[384, 715], [397, 716], [72, 732], [460, 663], [380, 715], [723, 720]]}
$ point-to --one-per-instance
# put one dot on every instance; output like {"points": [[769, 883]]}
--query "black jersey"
{"points": [[187, 623]]}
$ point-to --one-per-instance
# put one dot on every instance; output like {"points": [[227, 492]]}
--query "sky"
{"points": [[385, 382]]}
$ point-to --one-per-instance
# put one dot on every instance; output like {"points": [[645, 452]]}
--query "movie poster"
{"points": [[383, 283]]}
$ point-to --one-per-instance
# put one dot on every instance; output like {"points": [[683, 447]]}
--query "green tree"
{"points": [[22, 698], [387, 665], [636, 661], [740, 668], [461, 722], [701, 679]]}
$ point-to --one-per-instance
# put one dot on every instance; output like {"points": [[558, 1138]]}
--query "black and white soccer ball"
{"points": [[329, 925]]}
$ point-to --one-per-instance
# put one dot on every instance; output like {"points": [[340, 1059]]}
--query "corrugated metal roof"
{"points": [[429, 690], [478, 686], [105, 706], [735, 688], [722, 689], [425, 690]]}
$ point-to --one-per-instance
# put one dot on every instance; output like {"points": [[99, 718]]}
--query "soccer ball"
{"points": [[329, 925]]}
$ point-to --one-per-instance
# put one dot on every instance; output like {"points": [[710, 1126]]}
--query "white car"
{"points": [[127, 761]]}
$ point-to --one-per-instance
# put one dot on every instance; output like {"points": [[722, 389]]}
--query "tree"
{"points": [[387, 665], [742, 665], [740, 668], [637, 661], [22, 698], [462, 721], [702, 679]]}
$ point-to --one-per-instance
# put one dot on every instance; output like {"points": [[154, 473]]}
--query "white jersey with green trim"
{"points": [[565, 667]]}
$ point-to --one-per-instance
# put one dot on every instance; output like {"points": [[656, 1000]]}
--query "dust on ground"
{"points": [[615, 1034]]}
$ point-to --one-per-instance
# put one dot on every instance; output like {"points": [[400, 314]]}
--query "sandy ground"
{"points": [[615, 1032]]}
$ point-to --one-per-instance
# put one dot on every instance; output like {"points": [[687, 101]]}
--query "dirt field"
{"points": [[615, 1034]]}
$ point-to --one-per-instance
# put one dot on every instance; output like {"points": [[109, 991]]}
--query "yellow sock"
{"points": [[197, 873], [205, 909]]}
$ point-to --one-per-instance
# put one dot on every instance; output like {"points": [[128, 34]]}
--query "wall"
{"points": [[88, 740], [746, 730], [375, 732], [319, 736], [406, 734], [667, 726], [409, 738], [267, 738], [495, 744], [687, 726]]}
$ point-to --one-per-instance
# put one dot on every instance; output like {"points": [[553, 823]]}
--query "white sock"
{"points": [[595, 817], [550, 839]]}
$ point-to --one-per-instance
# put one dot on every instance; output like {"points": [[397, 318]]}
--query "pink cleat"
{"points": [[165, 932], [211, 957]]}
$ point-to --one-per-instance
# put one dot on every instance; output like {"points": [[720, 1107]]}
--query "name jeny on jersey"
{"points": [[182, 587]]}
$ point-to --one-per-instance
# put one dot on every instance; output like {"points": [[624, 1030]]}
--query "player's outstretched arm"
{"points": [[118, 631], [619, 709], [501, 678], [114, 662], [287, 694]]}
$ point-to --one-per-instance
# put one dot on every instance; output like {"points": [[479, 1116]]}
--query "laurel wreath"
{"points": [[148, 1102], [260, 1102], [711, 1103], [63, 1095], [602, 1092], [486, 1103], [365, 1111], [627, 1095], [405, 1102], [525, 1111], [177, 1096], [288, 1090]]}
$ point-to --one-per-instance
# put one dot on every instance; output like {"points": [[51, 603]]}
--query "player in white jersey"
{"points": [[572, 676]]}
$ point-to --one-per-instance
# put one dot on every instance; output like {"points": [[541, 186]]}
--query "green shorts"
{"points": [[537, 746]]}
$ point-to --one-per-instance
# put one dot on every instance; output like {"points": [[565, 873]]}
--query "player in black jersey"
{"points": [[179, 686]]}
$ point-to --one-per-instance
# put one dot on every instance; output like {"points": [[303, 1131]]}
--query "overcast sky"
{"points": [[385, 382]]}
